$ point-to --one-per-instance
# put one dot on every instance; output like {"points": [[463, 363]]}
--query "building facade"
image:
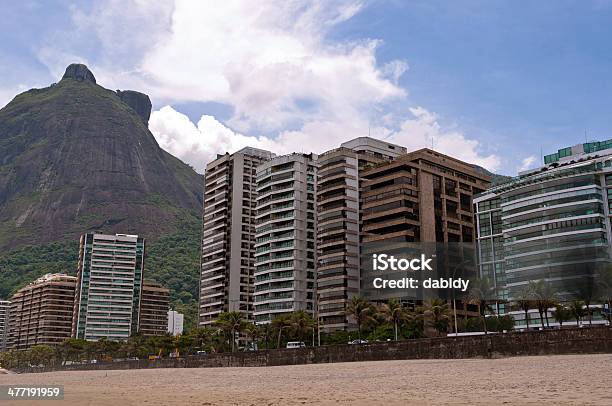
{"points": [[41, 312], [338, 234], [422, 196], [285, 252], [109, 286], [154, 307], [228, 234], [4, 323], [175, 323], [551, 223]]}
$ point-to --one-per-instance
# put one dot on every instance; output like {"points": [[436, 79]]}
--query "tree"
{"points": [[184, 343], [203, 337], [544, 296], [585, 291], [266, 333], [561, 314], [361, 311], [523, 301], [136, 346], [605, 291], [279, 323], [481, 292], [437, 315], [10, 359], [41, 355], [397, 314], [252, 333], [576, 308], [73, 349], [302, 324], [231, 323]]}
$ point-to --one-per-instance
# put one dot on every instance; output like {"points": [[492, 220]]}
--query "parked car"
{"points": [[296, 344], [358, 341]]}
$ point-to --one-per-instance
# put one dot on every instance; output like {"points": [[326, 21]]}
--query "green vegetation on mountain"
{"points": [[173, 260]]}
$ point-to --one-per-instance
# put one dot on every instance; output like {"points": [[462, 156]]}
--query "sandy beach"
{"points": [[559, 380]]}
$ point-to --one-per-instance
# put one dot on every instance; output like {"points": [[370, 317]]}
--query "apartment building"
{"points": [[338, 208], [109, 286], [4, 323], [154, 307], [175, 322], [41, 312], [420, 197], [228, 234], [285, 253], [551, 223], [371, 151]]}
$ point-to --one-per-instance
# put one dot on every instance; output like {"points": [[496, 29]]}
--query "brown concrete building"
{"points": [[41, 312], [338, 273], [423, 196], [154, 307]]}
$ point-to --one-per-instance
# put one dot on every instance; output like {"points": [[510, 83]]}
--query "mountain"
{"points": [[495, 178], [76, 157]]}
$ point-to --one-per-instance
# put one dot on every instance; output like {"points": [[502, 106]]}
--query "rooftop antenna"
{"points": [[432, 142], [542, 155]]}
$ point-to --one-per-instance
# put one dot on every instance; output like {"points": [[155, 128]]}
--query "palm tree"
{"points": [[361, 310], [605, 291], [280, 322], [231, 323], [302, 323], [545, 297], [252, 332], [585, 291], [576, 308], [396, 313], [203, 336], [560, 314], [265, 332], [437, 315], [481, 292], [523, 301]]}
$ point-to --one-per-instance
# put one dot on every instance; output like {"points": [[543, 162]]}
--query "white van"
{"points": [[296, 344]]}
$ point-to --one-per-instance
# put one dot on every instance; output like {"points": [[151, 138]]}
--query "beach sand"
{"points": [[559, 380]]}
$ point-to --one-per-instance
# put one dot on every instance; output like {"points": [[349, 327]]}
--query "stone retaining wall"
{"points": [[548, 342]]}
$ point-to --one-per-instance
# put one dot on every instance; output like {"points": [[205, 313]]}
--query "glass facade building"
{"points": [[109, 286], [550, 224]]}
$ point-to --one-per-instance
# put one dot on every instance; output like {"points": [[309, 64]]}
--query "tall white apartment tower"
{"points": [[4, 323], [228, 234], [109, 286], [285, 249]]}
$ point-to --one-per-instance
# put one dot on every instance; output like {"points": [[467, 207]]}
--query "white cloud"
{"points": [[528, 163], [424, 128], [273, 62], [199, 144]]}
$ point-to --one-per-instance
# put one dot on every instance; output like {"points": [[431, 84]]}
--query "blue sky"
{"points": [[491, 82]]}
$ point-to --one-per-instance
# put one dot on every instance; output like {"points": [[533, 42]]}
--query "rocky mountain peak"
{"points": [[80, 72], [139, 102]]}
